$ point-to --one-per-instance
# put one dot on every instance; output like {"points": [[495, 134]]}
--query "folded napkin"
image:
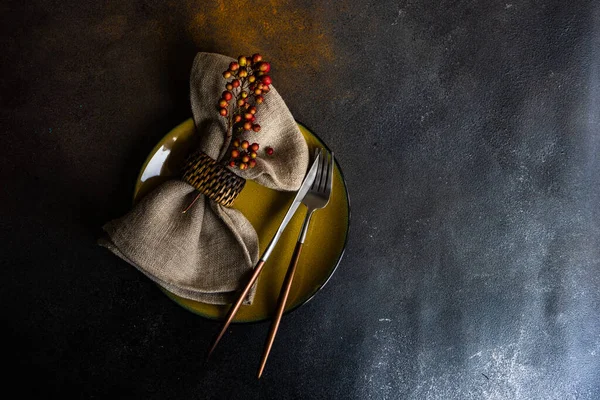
{"points": [[206, 253]]}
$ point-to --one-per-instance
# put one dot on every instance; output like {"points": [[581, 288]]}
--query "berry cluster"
{"points": [[247, 84]]}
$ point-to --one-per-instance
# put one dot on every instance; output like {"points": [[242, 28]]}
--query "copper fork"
{"points": [[316, 198]]}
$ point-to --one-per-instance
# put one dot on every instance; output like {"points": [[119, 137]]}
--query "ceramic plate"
{"points": [[264, 208]]}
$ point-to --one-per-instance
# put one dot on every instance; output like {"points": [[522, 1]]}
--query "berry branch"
{"points": [[239, 103]]}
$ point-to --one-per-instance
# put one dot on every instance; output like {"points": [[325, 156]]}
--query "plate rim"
{"points": [[320, 287]]}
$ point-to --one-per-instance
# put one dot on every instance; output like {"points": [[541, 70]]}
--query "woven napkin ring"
{"points": [[212, 179]]}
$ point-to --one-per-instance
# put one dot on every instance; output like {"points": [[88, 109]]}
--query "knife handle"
{"points": [[236, 306]]}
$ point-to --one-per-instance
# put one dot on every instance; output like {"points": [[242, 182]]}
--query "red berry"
{"points": [[260, 86], [264, 67], [234, 66], [248, 126], [259, 99], [235, 83], [254, 146], [223, 112], [227, 74], [223, 103], [252, 110], [269, 150], [227, 95], [245, 159], [266, 80], [252, 163], [248, 116], [256, 58], [235, 153], [237, 118], [256, 128], [243, 73], [245, 144], [232, 163]]}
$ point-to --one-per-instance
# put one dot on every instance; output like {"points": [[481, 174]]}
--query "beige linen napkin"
{"points": [[206, 253]]}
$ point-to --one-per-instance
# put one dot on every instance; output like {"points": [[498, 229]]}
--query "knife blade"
{"points": [[304, 188]]}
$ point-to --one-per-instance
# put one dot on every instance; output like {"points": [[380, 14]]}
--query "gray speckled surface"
{"points": [[468, 133]]}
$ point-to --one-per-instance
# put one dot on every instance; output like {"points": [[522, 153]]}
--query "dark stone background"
{"points": [[468, 132]]}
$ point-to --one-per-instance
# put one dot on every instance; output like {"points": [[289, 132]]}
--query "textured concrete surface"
{"points": [[469, 135]]}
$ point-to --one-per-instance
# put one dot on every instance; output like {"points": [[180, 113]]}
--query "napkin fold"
{"points": [[206, 253]]}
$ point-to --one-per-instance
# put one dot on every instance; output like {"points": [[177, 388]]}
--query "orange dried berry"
{"points": [[223, 112], [229, 86], [241, 102], [237, 118], [243, 73], [259, 99], [236, 143], [245, 159], [245, 144], [252, 110], [252, 78], [243, 166], [234, 66], [248, 116], [223, 103], [248, 125], [235, 153], [254, 146], [257, 91], [252, 163], [256, 58], [227, 74]]}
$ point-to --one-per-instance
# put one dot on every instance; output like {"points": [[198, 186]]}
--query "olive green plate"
{"points": [[264, 208]]}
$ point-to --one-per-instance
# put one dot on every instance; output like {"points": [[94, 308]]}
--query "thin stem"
{"points": [[191, 204]]}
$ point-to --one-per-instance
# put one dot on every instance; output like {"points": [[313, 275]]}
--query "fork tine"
{"points": [[323, 166], [330, 175], [319, 174]]}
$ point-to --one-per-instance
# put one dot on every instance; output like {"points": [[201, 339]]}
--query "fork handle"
{"points": [[283, 295], [304, 229]]}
